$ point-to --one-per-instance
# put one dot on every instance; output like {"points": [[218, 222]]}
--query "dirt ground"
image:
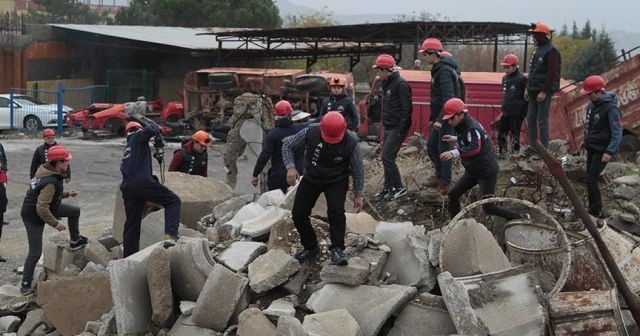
{"points": [[95, 175]]}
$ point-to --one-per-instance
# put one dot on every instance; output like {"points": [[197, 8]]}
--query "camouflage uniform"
{"points": [[246, 106]]}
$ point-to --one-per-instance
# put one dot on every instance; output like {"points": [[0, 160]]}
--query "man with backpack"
{"points": [[446, 83]]}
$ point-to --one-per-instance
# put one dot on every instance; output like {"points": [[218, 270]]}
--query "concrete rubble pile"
{"points": [[232, 273]]}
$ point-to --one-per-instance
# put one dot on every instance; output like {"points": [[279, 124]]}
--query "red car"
{"points": [[77, 117], [172, 112], [114, 120]]}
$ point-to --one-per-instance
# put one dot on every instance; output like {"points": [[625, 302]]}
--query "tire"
{"points": [[629, 146], [115, 126], [32, 123]]}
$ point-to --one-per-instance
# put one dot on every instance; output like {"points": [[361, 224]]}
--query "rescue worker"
{"points": [[272, 149], [544, 81], [3, 191], [192, 157], [42, 204], [479, 161], [139, 186], [338, 100], [331, 153], [514, 105], [602, 136], [444, 86], [40, 154], [396, 120]]}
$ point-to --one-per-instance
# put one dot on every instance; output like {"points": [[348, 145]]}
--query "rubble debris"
{"points": [[425, 313], [240, 254], [630, 180], [590, 312], [71, 271], [376, 258], [186, 307], [353, 274], [624, 192], [252, 322], [56, 255], [159, 282], [331, 323], [271, 198], [261, 225], [108, 241], [231, 228], [231, 205], [97, 253], [191, 263], [92, 268], [468, 248], [279, 308], [319, 210], [131, 300], [290, 326], [184, 326], [408, 259], [626, 254], [219, 298], [34, 319], [459, 306], [370, 306], [297, 281], [270, 270], [66, 305], [9, 324], [361, 223], [435, 240]]}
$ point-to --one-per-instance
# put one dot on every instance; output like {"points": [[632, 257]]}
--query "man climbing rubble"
{"points": [[331, 154], [477, 156]]}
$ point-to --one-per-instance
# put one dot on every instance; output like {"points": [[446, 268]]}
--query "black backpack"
{"points": [[460, 91]]}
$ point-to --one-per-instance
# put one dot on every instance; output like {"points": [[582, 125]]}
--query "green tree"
{"points": [[64, 11], [564, 31], [586, 30], [595, 58], [201, 13], [574, 31], [570, 49]]}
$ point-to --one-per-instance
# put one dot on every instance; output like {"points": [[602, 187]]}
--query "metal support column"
{"points": [[495, 53]]}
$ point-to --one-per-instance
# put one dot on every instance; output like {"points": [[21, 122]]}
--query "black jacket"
{"points": [[40, 157], [31, 198], [3, 159], [272, 149], [513, 87], [444, 86], [187, 160], [603, 131], [397, 104], [344, 105], [538, 69], [474, 149], [324, 163]]}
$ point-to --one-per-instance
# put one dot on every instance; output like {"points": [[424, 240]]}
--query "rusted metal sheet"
{"points": [[589, 313], [626, 252]]}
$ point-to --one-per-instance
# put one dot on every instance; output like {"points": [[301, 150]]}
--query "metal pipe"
{"points": [[556, 170]]}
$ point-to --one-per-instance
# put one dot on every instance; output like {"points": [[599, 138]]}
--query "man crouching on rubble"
{"points": [[42, 204], [477, 156], [331, 154], [601, 136], [140, 186]]}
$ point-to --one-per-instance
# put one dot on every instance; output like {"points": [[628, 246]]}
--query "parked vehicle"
{"points": [[113, 120], [29, 113], [77, 117]]}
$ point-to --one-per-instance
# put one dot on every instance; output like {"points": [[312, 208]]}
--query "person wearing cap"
{"points": [[332, 153], [42, 204], [339, 101], [397, 107], [479, 161], [192, 157], [3, 191], [139, 186], [40, 154], [602, 136], [514, 105], [445, 84], [544, 81], [272, 149]]}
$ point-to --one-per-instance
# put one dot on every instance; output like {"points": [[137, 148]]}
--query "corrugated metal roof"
{"points": [[181, 37]]}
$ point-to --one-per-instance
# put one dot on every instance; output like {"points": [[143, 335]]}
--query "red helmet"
{"points": [[333, 127], [58, 153], [510, 60], [431, 44], [540, 27], [385, 61], [283, 108], [48, 133], [452, 107], [446, 54], [131, 125], [592, 84], [201, 137], [337, 81]]}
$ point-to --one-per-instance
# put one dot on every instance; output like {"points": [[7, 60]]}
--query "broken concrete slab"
{"points": [[231, 205], [108, 241], [353, 274], [184, 326], [219, 297], [408, 260], [34, 319], [459, 306], [297, 281], [97, 253], [92, 268], [56, 257], [270, 270], [271, 198], [624, 192], [240, 254], [9, 324], [186, 307], [67, 305], [630, 180], [252, 322], [261, 225], [290, 326], [131, 301], [435, 240], [159, 282], [377, 260], [361, 223], [370, 306], [424, 312], [468, 248], [280, 307], [191, 263], [331, 323], [152, 230], [231, 228]]}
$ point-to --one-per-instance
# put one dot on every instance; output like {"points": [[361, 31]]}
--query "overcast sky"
{"points": [[613, 14]]}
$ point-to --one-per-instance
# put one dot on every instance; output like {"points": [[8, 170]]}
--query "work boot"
{"points": [[379, 197], [338, 257], [396, 193], [432, 182], [443, 187], [168, 236], [78, 244], [305, 254]]}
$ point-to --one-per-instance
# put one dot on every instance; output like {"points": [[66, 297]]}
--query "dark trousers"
{"points": [[390, 148], [277, 179], [3, 204], [509, 125], [538, 119], [306, 198], [595, 166], [35, 228], [435, 146], [487, 188], [135, 197]]}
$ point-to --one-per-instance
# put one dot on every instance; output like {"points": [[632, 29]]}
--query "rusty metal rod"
{"points": [[556, 170]]}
